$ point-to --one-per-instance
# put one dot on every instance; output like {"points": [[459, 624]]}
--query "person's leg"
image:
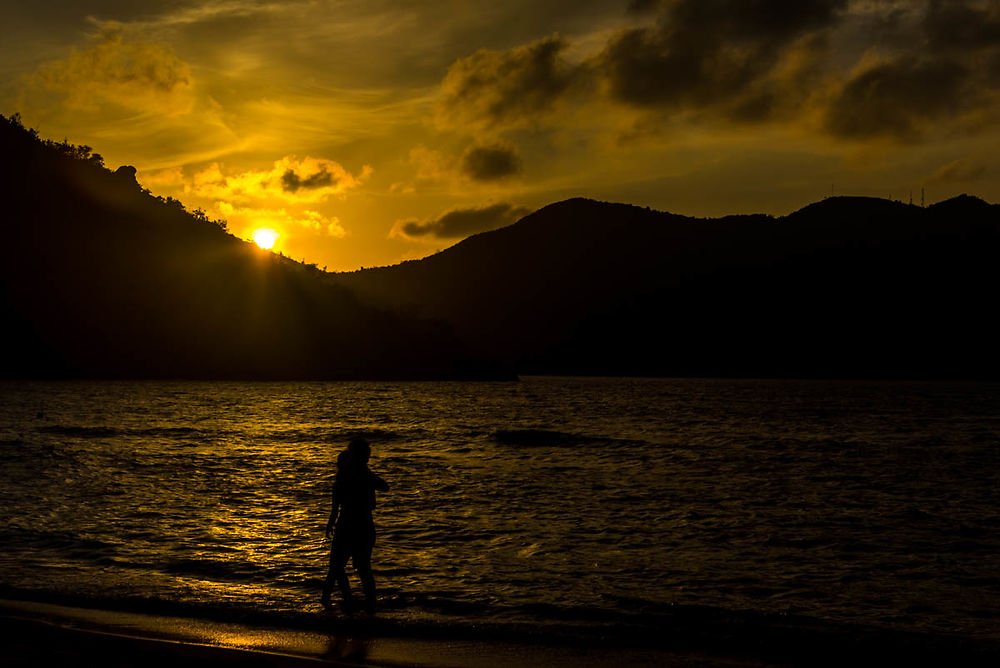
{"points": [[339, 554], [363, 565]]}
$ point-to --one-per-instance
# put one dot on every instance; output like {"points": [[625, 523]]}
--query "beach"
{"points": [[48, 634], [37, 633]]}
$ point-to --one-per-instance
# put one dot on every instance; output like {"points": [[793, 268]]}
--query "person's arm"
{"points": [[333, 512], [379, 484]]}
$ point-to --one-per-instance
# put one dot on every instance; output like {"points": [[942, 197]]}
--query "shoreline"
{"points": [[47, 633], [50, 634], [32, 642]]}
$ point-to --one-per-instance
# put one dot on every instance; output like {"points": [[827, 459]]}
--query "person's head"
{"points": [[360, 450], [344, 460]]}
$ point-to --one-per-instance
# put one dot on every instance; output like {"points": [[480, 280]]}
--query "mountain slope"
{"points": [[101, 279], [856, 287]]}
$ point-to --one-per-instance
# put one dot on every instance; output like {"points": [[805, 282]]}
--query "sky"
{"points": [[368, 133]]}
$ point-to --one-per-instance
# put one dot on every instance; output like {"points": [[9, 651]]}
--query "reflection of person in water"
{"points": [[351, 523]]}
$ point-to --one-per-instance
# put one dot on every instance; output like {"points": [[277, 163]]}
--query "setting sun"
{"points": [[265, 237]]}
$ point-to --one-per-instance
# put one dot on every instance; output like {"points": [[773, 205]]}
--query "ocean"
{"points": [[556, 505]]}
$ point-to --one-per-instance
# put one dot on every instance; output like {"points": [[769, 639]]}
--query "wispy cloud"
{"points": [[958, 171], [135, 75], [204, 12]]}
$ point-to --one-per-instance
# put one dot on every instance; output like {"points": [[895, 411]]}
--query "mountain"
{"points": [[100, 279], [845, 287]]}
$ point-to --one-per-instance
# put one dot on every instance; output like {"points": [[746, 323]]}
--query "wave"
{"points": [[333, 435], [166, 431], [217, 569], [111, 432], [81, 432], [64, 541], [550, 437], [317, 434], [338, 435]]}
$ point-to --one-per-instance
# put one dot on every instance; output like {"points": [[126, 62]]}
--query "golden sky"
{"points": [[367, 133]]}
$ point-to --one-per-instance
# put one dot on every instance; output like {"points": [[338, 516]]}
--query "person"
{"points": [[352, 525]]}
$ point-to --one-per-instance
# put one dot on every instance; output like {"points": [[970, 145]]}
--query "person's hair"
{"points": [[344, 459], [360, 448]]}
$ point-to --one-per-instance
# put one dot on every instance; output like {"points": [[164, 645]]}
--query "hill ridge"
{"points": [[106, 280], [852, 286]]}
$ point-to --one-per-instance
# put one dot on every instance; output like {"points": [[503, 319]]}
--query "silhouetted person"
{"points": [[351, 523]]}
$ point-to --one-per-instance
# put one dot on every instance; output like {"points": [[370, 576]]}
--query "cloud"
{"points": [[170, 177], [740, 60], [430, 165], [899, 98], [490, 163], [959, 171], [712, 53], [243, 220], [132, 74], [290, 180], [213, 11], [460, 222], [640, 6], [961, 25], [284, 197], [134, 98], [856, 70], [492, 89], [483, 163], [942, 76]]}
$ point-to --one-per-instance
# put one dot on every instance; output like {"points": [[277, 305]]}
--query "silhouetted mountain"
{"points": [[845, 287], [101, 279]]}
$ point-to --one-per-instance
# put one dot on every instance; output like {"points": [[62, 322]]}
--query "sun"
{"points": [[265, 237]]}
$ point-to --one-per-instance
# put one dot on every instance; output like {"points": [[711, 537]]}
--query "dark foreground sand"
{"points": [[34, 643], [47, 634], [42, 634]]}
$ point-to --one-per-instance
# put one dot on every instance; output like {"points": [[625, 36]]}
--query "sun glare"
{"points": [[265, 237]]}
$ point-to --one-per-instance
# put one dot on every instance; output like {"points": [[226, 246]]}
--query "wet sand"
{"points": [[36, 634]]}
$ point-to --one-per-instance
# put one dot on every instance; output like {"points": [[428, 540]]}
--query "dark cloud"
{"points": [[489, 163], [699, 54], [463, 222], [731, 58], [961, 25], [899, 98], [710, 52], [938, 77], [290, 181], [892, 26], [855, 70], [641, 6], [494, 88]]}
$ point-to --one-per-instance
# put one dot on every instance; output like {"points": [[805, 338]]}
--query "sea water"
{"points": [[544, 502]]}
